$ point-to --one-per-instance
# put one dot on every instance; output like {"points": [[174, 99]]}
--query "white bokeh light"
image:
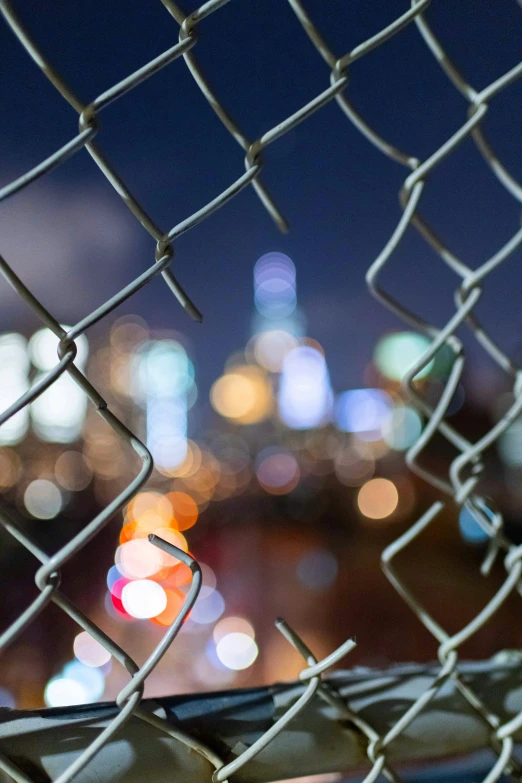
{"points": [[305, 394], [138, 559], [363, 411], [143, 599], [165, 382], [272, 346], [90, 679], [209, 609], [64, 692], [89, 651], [59, 413], [42, 499], [43, 347], [402, 428], [237, 651], [14, 366]]}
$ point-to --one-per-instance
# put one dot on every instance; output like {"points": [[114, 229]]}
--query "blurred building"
{"points": [[285, 488]]}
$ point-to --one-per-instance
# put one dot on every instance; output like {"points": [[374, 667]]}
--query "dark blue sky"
{"points": [[337, 191]]}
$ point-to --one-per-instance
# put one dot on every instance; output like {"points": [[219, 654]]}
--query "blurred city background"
{"points": [[278, 426]]}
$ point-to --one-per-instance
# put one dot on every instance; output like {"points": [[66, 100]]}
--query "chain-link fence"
{"points": [[457, 486]]}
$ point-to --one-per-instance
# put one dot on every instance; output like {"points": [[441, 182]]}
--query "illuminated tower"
{"points": [[275, 297], [304, 396], [165, 389]]}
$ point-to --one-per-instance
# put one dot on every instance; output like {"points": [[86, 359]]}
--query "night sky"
{"points": [[75, 243]]}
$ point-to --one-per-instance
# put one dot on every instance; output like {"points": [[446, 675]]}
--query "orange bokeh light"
{"points": [[378, 498], [172, 572], [151, 521], [146, 504], [128, 532], [243, 394], [175, 600], [184, 508], [173, 537], [177, 576]]}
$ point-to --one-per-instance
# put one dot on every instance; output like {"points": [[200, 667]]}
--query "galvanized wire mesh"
{"points": [[458, 486]]}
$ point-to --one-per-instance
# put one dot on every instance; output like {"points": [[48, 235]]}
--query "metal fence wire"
{"points": [[457, 486]]}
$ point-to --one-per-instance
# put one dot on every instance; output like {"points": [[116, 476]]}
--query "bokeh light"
{"points": [[352, 469], [232, 625], [73, 471], [237, 650], [208, 610], [10, 468], [305, 396], [59, 413], [64, 692], [510, 445], [42, 499], [202, 484], [144, 599], [275, 298], [402, 428], [172, 537], [378, 498], [89, 651], [128, 333], [91, 679], [208, 580], [165, 369], [114, 608], [277, 471], [103, 449], [184, 509], [166, 377], [176, 577], [244, 395], [129, 531], [138, 559], [149, 503], [14, 365], [317, 569], [364, 411], [470, 529], [116, 585], [189, 466], [271, 348], [174, 603], [76, 684], [396, 353], [43, 348], [274, 264], [113, 574], [274, 286]]}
